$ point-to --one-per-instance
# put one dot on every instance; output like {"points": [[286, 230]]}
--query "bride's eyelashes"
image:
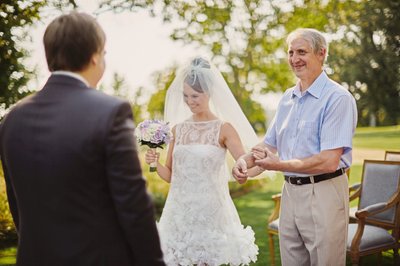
{"points": [[188, 98]]}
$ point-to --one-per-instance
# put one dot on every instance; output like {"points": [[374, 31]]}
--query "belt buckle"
{"points": [[295, 182]]}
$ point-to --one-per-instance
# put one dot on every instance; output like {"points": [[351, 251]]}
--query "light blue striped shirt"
{"points": [[323, 118]]}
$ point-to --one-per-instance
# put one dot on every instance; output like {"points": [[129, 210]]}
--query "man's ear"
{"points": [[322, 52], [95, 59]]}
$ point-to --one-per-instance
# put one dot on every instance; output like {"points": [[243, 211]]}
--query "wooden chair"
{"points": [[389, 156], [378, 214], [392, 155], [273, 224]]}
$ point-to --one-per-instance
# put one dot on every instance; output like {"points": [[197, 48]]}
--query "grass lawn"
{"points": [[7, 256], [383, 138], [255, 206]]}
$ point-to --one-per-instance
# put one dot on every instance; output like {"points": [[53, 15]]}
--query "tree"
{"points": [[163, 80], [364, 52], [15, 18], [120, 88], [368, 59], [240, 41], [246, 40]]}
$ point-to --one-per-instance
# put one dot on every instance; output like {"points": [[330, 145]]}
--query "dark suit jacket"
{"points": [[74, 181]]}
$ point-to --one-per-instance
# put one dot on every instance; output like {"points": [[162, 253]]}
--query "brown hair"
{"points": [[71, 40]]}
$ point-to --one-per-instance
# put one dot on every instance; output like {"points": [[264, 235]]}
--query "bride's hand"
{"points": [[239, 171], [151, 156]]}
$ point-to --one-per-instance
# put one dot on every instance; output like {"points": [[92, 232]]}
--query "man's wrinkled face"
{"points": [[305, 63]]}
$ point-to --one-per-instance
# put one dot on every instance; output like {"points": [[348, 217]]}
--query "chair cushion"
{"points": [[274, 225], [373, 237]]}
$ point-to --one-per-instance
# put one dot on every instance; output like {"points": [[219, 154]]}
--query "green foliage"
{"points": [[121, 89], [364, 52], [15, 17], [247, 41], [163, 80], [367, 58], [7, 256], [8, 234], [236, 36]]}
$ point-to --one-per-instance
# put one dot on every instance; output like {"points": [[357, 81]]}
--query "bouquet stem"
{"points": [[153, 165]]}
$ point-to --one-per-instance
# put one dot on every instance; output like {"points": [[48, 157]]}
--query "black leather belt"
{"points": [[303, 180]]}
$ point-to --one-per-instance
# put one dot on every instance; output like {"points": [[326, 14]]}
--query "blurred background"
{"points": [[148, 39]]}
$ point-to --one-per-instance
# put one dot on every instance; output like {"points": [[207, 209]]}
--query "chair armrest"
{"points": [[275, 212], [357, 191], [374, 208], [368, 211], [355, 186], [378, 207], [361, 219], [277, 197]]}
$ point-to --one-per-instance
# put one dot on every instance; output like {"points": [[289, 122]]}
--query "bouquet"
{"points": [[154, 134]]}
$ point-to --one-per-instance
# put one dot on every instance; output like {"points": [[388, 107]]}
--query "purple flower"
{"points": [[153, 133]]}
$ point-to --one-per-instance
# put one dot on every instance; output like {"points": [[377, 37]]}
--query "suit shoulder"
{"points": [[19, 106], [101, 96], [102, 99]]}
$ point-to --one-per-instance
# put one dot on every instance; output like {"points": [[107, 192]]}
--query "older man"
{"points": [[312, 132]]}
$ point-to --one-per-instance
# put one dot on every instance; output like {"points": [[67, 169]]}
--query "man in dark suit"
{"points": [[74, 182]]}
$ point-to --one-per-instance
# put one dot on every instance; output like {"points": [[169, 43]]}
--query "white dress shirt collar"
{"points": [[71, 74]]}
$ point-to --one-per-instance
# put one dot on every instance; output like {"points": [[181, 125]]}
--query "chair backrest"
{"points": [[392, 155], [380, 181]]}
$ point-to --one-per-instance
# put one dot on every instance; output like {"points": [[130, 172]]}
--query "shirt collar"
{"points": [[72, 75], [316, 87]]}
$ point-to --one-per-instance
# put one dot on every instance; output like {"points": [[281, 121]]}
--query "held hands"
{"points": [[260, 158], [259, 152], [151, 156], [265, 159]]}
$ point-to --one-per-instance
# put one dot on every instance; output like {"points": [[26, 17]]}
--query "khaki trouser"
{"points": [[313, 223]]}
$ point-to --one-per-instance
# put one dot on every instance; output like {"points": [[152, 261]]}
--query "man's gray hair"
{"points": [[314, 37]]}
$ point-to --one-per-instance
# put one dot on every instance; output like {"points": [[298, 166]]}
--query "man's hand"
{"points": [[265, 159], [239, 171], [258, 152]]}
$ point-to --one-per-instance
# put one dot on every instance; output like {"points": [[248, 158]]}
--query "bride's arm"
{"points": [[231, 140], [164, 171]]}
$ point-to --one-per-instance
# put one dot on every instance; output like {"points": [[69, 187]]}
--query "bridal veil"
{"points": [[222, 102]]}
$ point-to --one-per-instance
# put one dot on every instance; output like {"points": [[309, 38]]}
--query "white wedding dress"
{"points": [[199, 224]]}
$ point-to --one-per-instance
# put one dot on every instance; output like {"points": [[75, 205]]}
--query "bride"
{"points": [[199, 224]]}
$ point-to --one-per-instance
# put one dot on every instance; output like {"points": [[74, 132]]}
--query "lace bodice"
{"points": [[198, 156], [191, 132]]}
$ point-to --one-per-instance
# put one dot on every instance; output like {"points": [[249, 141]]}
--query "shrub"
{"points": [[8, 234]]}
